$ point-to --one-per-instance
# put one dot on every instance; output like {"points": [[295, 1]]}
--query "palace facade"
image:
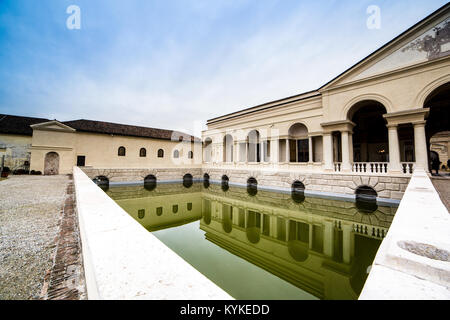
{"points": [[369, 126]]}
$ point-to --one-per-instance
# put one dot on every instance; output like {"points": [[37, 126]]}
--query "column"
{"points": [[327, 143], [246, 152], [310, 234], [350, 146], [346, 165], [347, 243], [237, 151], [394, 149], [420, 146], [288, 155], [261, 151], [274, 150], [328, 238], [310, 145]]}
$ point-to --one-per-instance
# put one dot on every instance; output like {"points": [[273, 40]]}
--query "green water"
{"points": [[266, 245]]}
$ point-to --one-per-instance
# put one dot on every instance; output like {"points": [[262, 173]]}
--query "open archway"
{"points": [[207, 150], [228, 148], [438, 126], [298, 143], [370, 134], [253, 147]]}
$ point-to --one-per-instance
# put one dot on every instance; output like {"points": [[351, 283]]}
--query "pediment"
{"points": [[52, 126], [426, 41]]}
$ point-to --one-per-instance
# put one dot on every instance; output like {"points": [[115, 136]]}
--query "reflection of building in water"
{"points": [[164, 207], [321, 246]]}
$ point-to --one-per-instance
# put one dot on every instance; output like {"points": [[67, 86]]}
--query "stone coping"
{"points": [[421, 225], [122, 260]]}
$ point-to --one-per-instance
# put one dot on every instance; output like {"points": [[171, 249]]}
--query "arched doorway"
{"points": [[228, 148], [298, 143], [438, 125], [370, 134], [207, 149], [253, 147], [51, 163]]}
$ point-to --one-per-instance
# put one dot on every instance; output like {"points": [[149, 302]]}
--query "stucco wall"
{"points": [[15, 148]]}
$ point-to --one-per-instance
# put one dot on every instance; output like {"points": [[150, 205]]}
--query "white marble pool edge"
{"points": [[123, 261], [397, 274]]}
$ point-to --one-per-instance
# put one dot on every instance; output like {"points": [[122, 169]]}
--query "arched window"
{"points": [[176, 154], [121, 152], [160, 153], [190, 155], [142, 152]]}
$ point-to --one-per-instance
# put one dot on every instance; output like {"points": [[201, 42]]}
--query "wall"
{"points": [[15, 148]]}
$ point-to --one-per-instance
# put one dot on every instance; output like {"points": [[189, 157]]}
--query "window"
{"points": [[190, 155], [160, 153], [189, 206], [141, 213], [159, 211], [175, 208], [81, 161], [142, 152], [121, 152], [176, 154]]}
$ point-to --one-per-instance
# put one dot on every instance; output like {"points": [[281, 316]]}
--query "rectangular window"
{"points": [[81, 161]]}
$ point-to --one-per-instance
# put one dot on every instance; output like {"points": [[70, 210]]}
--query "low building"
{"points": [[54, 147]]}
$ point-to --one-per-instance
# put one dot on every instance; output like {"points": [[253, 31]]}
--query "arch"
{"points": [[298, 191], [227, 218], [188, 180], [437, 124], [228, 148], [366, 199], [150, 182], [225, 183], [142, 152], [254, 145], [428, 89], [253, 230], [366, 97], [121, 152], [206, 180], [370, 133], [207, 150], [298, 143], [176, 154], [102, 182], [51, 163], [160, 153], [252, 186]]}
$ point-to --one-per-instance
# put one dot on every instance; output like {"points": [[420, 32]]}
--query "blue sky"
{"points": [[174, 64]]}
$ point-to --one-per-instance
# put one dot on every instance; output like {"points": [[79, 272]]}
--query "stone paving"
{"points": [[32, 225]]}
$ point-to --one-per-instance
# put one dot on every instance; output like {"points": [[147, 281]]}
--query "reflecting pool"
{"points": [[263, 245]]}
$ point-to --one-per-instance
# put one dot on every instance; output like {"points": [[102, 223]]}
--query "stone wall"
{"points": [[389, 187], [135, 175]]}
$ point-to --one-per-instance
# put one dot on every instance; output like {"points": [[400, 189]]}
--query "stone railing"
{"points": [[408, 167], [370, 167], [337, 166]]}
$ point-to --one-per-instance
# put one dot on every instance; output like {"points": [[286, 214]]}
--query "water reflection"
{"points": [[321, 246]]}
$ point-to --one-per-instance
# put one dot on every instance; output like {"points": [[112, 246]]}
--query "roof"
{"points": [[18, 125], [21, 125], [317, 92], [83, 125]]}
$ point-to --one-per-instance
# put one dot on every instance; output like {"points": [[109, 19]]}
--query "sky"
{"points": [[175, 64]]}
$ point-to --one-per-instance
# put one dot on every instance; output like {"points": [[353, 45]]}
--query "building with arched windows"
{"points": [[371, 125]]}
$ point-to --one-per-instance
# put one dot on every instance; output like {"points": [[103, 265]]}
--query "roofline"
{"points": [[249, 110], [441, 9]]}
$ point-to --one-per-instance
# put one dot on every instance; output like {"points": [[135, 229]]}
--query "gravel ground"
{"points": [[30, 209], [442, 186]]}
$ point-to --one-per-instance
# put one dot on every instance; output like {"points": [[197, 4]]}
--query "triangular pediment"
{"points": [[53, 125], [426, 41]]}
